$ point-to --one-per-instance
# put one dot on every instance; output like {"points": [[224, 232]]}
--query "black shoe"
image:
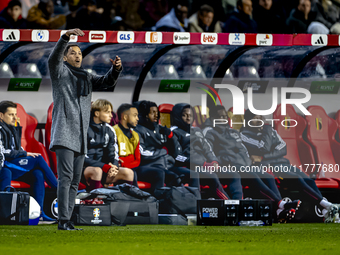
{"points": [[293, 205], [65, 226], [286, 215], [71, 226]]}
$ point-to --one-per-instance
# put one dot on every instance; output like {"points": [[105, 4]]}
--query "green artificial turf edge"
{"points": [[163, 239]]}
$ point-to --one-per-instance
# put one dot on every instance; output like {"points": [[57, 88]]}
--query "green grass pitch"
{"points": [[162, 239]]}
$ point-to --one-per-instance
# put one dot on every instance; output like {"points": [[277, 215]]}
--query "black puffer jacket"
{"points": [[266, 143], [102, 145], [153, 140], [227, 144], [11, 151], [190, 144]]}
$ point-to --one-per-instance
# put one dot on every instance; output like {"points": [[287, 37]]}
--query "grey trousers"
{"points": [[69, 167]]}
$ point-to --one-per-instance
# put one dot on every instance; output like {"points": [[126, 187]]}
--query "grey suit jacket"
{"points": [[71, 113]]}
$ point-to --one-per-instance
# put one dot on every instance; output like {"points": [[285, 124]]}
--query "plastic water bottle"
{"points": [[251, 223]]}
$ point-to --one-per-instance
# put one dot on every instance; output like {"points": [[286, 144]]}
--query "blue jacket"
{"points": [[170, 23]]}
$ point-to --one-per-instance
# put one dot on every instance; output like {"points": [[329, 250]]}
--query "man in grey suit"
{"points": [[72, 89]]}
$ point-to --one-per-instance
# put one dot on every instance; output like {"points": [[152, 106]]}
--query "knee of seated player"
{"points": [[210, 176], [125, 174], [40, 158], [94, 173], [5, 173], [158, 173]]}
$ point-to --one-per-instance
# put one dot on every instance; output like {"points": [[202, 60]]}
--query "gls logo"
{"points": [[238, 101], [125, 37]]}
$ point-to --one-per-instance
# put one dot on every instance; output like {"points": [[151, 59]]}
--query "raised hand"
{"points": [[117, 62], [75, 31]]}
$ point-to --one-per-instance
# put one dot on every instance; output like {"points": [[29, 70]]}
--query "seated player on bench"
{"points": [[154, 138], [128, 144], [266, 147], [19, 164], [230, 151], [101, 167], [192, 149]]}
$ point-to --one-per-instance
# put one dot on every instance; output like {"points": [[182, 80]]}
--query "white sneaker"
{"points": [[337, 218], [331, 215]]}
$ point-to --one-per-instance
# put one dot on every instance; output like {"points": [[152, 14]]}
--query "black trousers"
{"points": [[155, 176], [190, 177], [297, 179], [215, 187], [69, 167]]}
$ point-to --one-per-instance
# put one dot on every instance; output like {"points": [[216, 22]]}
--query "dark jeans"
{"points": [[69, 166]]}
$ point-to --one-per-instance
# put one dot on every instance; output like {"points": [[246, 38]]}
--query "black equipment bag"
{"points": [[130, 205], [127, 212], [172, 219], [178, 200], [93, 215], [14, 208]]}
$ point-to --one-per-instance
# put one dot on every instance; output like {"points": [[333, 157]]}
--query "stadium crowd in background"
{"points": [[239, 16]]}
